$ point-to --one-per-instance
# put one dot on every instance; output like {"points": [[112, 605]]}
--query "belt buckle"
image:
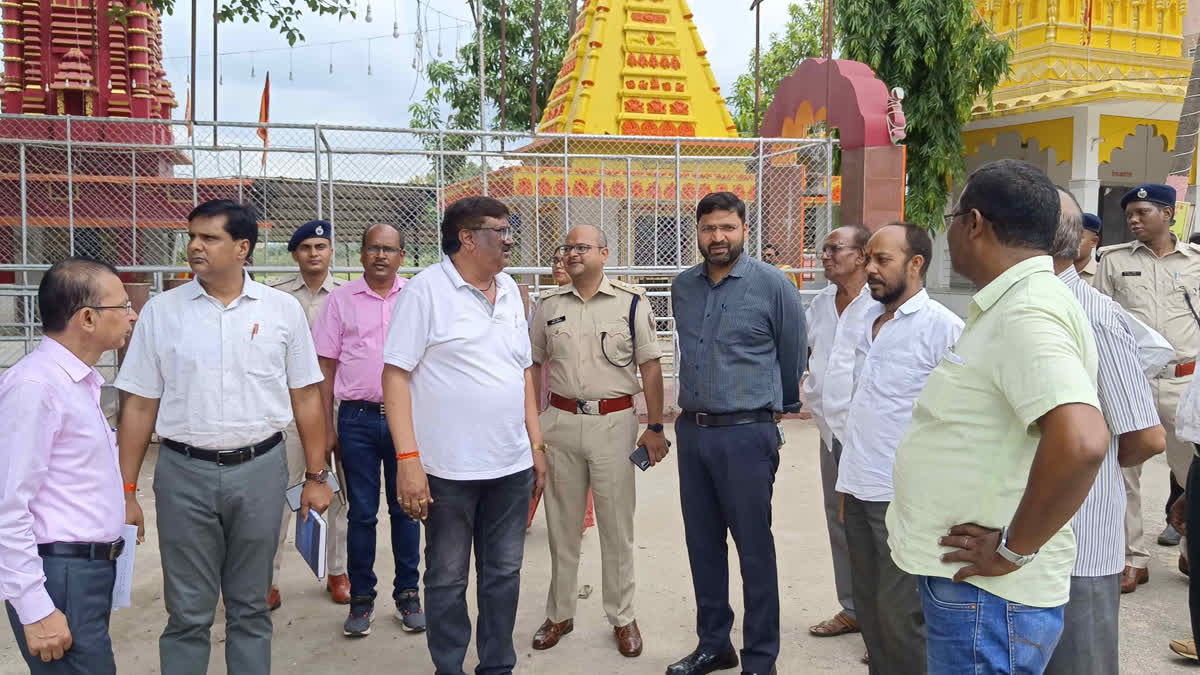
{"points": [[587, 407], [700, 419]]}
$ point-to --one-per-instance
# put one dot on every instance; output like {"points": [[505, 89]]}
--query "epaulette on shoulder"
{"points": [[1103, 250], [627, 287], [557, 290]]}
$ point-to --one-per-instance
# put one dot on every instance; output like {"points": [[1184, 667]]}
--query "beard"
{"points": [[732, 253], [888, 294]]}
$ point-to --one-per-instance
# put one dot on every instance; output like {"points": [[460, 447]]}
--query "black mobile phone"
{"points": [[641, 458]]}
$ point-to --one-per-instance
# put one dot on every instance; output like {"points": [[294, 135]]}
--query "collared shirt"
{"points": [[223, 374], [311, 302], [468, 359], [741, 341], [895, 365], [586, 345], [1026, 349], [351, 330], [59, 475], [1128, 405], [833, 339], [1088, 273], [1156, 290]]}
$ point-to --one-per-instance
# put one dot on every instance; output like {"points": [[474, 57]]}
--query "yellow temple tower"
{"points": [[1093, 97]]}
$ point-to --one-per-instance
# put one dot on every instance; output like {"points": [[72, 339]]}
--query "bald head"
{"points": [[1070, 228], [388, 231], [587, 234]]}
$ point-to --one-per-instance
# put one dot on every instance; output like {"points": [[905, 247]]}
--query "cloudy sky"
{"points": [[349, 95]]}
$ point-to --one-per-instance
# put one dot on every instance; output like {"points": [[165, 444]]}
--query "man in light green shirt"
{"points": [[1005, 439]]}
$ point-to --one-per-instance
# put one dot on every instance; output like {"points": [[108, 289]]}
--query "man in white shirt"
{"points": [[835, 324], [216, 367], [904, 338], [464, 422]]}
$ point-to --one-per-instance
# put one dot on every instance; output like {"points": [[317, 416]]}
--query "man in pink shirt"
{"points": [[61, 507], [349, 336]]}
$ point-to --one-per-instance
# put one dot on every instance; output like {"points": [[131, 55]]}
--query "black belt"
{"points": [[229, 457], [60, 549], [365, 406], [702, 419]]}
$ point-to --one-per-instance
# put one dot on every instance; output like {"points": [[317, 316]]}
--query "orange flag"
{"points": [[187, 112], [1087, 23], [264, 116]]}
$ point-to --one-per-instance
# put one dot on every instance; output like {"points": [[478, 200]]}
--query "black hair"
{"points": [[773, 247], [917, 242], [69, 286], [467, 213], [241, 222], [721, 201], [373, 226], [1018, 199]]}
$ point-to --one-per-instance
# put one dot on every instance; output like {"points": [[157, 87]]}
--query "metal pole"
{"points": [[657, 200], [317, 163], [758, 199], [482, 97], [829, 188], [537, 224], [133, 201], [441, 184], [216, 75], [192, 83], [757, 59], [566, 190], [629, 211], [678, 211], [239, 175], [70, 193], [329, 182], [602, 195], [195, 187]]}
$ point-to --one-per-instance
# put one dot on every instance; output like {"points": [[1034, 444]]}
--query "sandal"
{"points": [[840, 624]]}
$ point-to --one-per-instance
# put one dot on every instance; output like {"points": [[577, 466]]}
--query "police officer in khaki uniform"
{"points": [[311, 247], [1156, 278], [584, 334]]}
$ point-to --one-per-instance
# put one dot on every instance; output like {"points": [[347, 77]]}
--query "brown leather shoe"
{"points": [[1133, 577], [840, 624], [629, 639], [1184, 566], [339, 587], [273, 599], [550, 633]]}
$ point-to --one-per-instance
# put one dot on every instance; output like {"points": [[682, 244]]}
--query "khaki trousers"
{"points": [[583, 450], [335, 515], [1167, 391]]}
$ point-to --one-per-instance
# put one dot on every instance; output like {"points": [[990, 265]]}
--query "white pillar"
{"points": [[1085, 161]]}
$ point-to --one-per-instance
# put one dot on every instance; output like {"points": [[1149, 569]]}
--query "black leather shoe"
{"points": [[747, 672], [700, 662]]}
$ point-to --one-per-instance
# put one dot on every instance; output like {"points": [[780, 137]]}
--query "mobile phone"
{"points": [[293, 493], [641, 458], [779, 435]]}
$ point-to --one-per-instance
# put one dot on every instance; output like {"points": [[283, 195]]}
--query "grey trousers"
{"points": [[837, 530], [888, 601], [218, 527], [1088, 645], [81, 590]]}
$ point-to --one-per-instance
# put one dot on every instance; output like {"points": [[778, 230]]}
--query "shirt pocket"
{"points": [[1134, 293], [266, 354], [616, 342]]}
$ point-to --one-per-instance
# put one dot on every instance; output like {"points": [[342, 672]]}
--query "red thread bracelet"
{"points": [[130, 487], [407, 455]]}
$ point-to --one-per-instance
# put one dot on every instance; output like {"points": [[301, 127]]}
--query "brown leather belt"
{"points": [[603, 407], [1185, 369]]}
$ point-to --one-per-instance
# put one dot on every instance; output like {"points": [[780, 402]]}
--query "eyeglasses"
{"points": [[503, 232], [833, 250], [386, 250], [949, 217], [566, 249], [128, 306], [725, 229]]}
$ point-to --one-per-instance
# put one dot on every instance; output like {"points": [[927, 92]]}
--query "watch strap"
{"points": [[656, 428]]}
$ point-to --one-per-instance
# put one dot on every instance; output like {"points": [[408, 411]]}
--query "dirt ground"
{"points": [[308, 637]]}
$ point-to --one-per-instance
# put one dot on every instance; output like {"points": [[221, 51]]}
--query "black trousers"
{"points": [[81, 590], [726, 479]]}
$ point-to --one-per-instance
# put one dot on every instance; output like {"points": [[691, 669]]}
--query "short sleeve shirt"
{"points": [[588, 346], [1156, 290], [1026, 349], [222, 374], [468, 360]]}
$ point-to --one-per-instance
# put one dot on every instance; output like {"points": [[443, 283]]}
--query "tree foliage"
{"points": [[801, 39], [282, 15], [943, 57], [452, 98]]}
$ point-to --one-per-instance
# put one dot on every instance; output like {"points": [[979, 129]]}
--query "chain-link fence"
{"points": [[121, 189]]}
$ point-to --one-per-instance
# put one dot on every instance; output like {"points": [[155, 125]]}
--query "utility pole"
{"points": [[192, 84], [534, 116], [503, 68], [216, 75], [756, 6], [572, 17]]}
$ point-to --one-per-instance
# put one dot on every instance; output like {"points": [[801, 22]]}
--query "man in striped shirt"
{"points": [[1089, 641]]}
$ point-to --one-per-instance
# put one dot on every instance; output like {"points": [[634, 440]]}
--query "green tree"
{"points": [[801, 39], [944, 58], [282, 15]]}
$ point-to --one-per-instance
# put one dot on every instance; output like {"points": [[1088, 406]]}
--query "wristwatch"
{"points": [[656, 428], [319, 477], [1014, 558]]}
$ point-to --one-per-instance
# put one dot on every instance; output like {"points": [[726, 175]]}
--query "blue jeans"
{"points": [[82, 590], [968, 630], [488, 515], [367, 444]]}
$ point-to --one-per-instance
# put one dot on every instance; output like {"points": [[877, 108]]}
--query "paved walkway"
{"points": [[308, 635]]}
